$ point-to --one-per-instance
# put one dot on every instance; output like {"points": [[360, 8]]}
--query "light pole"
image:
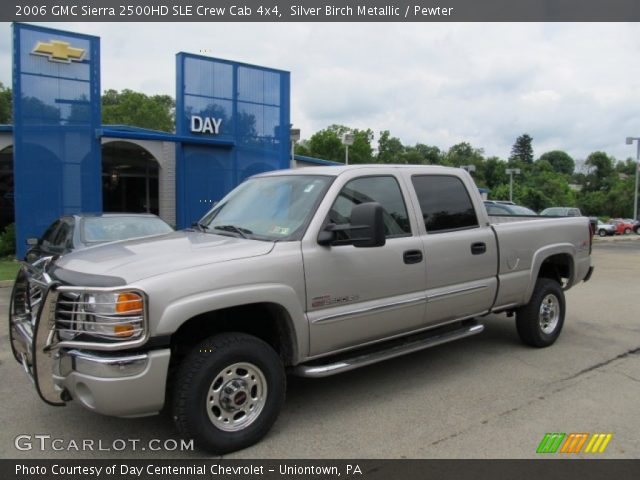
{"points": [[511, 172], [294, 136], [635, 192], [347, 139]]}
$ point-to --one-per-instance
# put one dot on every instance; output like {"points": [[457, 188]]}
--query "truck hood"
{"points": [[136, 259]]}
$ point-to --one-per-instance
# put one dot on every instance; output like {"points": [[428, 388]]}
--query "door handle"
{"points": [[478, 248], [412, 256]]}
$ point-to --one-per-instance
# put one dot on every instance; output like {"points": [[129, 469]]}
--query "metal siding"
{"points": [[57, 169], [253, 103]]}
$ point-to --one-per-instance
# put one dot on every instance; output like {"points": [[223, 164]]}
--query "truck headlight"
{"points": [[112, 315]]}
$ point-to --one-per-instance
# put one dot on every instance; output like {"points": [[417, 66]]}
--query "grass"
{"points": [[8, 268]]}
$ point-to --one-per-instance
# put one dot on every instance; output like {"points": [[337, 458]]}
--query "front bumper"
{"points": [[118, 383], [121, 386]]}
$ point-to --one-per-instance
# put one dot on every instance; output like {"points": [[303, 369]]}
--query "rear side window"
{"points": [[385, 191], [445, 203]]}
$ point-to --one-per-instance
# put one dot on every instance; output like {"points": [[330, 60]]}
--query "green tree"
{"points": [[5, 104], [560, 161], [594, 203], [464, 154], [422, 154], [390, 149], [545, 188], [628, 167], [602, 175], [429, 154], [327, 144], [522, 149], [302, 148], [620, 198], [137, 109], [494, 173], [361, 151]]}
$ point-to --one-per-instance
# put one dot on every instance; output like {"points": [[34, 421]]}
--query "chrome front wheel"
{"points": [[228, 392], [236, 397]]}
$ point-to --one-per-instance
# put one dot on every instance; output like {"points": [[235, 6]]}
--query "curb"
{"points": [[617, 238]]}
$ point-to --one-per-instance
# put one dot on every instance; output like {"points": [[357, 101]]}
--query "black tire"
{"points": [[627, 231], [530, 319], [602, 232], [195, 406]]}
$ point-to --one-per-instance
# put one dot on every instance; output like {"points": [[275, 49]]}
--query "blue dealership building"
{"points": [[232, 121]]}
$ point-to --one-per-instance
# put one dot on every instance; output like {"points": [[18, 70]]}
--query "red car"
{"points": [[622, 227]]}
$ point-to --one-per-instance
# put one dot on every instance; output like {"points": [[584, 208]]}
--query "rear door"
{"points": [[461, 257], [359, 295]]}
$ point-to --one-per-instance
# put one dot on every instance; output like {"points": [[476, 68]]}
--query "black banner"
{"points": [[546, 469], [320, 10]]}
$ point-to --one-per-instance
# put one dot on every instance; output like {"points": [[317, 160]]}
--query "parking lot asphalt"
{"points": [[487, 396]]}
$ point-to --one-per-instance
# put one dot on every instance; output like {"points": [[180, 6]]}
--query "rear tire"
{"points": [[228, 392], [602, 233], [540, 322], [627, 231]]}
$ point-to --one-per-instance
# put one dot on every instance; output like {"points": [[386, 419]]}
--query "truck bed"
{"points": [[523, 248]]}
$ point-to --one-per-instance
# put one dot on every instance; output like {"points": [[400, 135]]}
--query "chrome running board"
{"points": [[386, 351]]}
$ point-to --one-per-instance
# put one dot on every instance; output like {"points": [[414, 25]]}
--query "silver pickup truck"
{"points": [[310, 272]]}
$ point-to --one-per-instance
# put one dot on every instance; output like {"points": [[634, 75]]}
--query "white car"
{"points": [[605, 229]]}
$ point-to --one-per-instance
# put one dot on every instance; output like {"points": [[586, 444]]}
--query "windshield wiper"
{"points": [[232, 228], [200, 226]]}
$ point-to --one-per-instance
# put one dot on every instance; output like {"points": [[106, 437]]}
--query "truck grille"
{"points": [[67, 317]]}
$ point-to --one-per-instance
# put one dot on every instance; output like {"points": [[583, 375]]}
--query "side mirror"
{"points": [[366, 229], [32, 242], [367, 225]]}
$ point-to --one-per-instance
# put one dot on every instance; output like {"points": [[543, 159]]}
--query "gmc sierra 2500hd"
{"points": [[313, 272]]}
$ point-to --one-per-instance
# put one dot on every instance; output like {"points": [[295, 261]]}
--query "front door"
{"points": [[360, 295]]}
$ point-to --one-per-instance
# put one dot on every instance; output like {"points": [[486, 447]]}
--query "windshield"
{"points": [[109, 229], [268, 208]]}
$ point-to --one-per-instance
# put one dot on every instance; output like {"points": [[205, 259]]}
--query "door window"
{"points": [[384, 190], [62, 239], [445, 203], [49, 235]]}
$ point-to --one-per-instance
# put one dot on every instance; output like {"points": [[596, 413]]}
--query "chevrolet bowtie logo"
{"points": [[58, 51]]}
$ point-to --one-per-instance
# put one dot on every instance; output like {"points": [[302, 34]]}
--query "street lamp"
{"points": [[635, 192], [347, 139], [511, 172], [294, 137]]}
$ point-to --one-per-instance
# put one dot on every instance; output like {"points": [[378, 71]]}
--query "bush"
{"points": [[8, 240]]}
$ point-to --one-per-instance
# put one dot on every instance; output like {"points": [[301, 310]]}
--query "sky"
{"points": [[571, 86]]}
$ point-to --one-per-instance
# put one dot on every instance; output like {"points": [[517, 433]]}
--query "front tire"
{"points": [[627, 231], [540, 322], [228, 392], [602, 233]]}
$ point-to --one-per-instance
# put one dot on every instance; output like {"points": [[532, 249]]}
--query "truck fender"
{"points": [[183, 309], [538, 259]]}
